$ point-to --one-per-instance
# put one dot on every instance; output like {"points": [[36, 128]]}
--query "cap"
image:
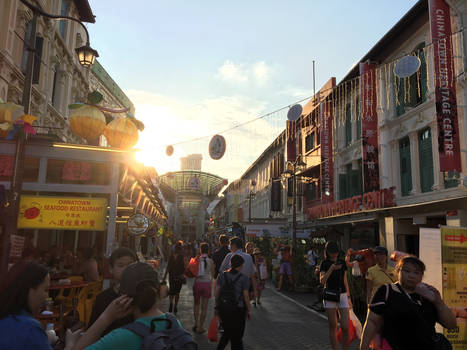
{"points": [[332, 247], [134, 274], [380, 250]]}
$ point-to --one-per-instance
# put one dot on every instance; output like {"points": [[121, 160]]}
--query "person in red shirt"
{"points": [[286, 266]]}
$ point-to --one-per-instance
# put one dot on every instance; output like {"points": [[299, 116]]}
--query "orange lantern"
{"points": [[121, 133], [86, 121]]}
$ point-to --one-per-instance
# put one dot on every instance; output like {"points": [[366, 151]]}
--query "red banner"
{"points": [[291, 136], [327, 167], [369, 127], [368, 201], [445, 87]]}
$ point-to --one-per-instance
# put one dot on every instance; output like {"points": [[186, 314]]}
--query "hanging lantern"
{"points": [[169, 150], [9, 113], [121, 133], [86, 121]]}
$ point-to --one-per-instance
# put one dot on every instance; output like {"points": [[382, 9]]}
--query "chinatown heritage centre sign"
{"points": [[371, 200], [62, 213]]}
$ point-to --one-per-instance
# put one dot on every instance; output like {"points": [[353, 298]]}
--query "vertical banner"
{"points": [[445, 87], [291, 136], [327, 166], [369, 127], [454, 262]]}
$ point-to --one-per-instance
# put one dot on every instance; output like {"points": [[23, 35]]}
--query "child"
{"points": [[120, 258], [261, 273]]}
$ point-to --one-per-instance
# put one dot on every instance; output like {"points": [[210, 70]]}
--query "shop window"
{"points": [[37, 59], [405, 167], [348, 125], [350, 183], [342, 186], [77, 172], [411, 91], [30, 168], [310, 142], [311, 191], [426, 160]]}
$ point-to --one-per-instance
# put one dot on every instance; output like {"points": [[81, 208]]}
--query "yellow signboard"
{"points": [[63, 213], [454, 261]]}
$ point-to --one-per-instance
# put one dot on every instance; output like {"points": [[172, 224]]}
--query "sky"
{"points": [[194, 69]]}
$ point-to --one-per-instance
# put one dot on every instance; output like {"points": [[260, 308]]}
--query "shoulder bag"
{"points": [[333, 294], [440, 342]]}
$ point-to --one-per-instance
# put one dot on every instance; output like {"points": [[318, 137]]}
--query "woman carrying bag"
{"points": [[406, 312], [336, 293]]}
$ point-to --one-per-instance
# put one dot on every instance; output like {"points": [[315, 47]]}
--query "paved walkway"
{"points": [[281, 322]]}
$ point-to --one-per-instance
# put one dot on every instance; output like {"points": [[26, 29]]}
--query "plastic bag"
{"points": [[356, 269], [356, 323], [191, 269], [212, 331], [352, 334]]}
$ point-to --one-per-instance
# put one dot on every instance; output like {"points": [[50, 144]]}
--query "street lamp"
{"points": [[250, 195], [292, 170], [86, 57]]}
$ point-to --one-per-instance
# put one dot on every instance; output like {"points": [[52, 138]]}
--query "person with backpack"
{"points": [[202, 288], [233, 303], [151, 330]]}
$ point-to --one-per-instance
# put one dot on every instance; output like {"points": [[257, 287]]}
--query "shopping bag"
{"points": [[356, 323], [352, 335], [212, 331], [192, 268]]}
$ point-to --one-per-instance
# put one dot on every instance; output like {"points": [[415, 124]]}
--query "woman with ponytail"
{"points": [[141, 295], [202, 288]]}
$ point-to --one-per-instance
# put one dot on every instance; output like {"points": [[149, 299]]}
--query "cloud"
{"points": [[169, 121], [240, 73]]}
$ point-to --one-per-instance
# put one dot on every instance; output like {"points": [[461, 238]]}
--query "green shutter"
{"points": [[348, 125], [405, 166], [400, 90], [426, 160], [342, 186], [423, 75]]}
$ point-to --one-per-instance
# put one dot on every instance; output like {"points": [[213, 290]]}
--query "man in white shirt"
{"points": [[248, 267]]}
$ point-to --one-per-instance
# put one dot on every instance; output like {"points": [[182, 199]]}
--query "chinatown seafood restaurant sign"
{"points": [[368, 201], [64, 213]]}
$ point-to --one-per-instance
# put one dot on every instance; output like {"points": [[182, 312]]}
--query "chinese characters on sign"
{"points": [[445, 87], [369, 127], [454, 277], [78, 213]]}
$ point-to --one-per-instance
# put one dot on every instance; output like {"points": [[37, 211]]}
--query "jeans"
{"points": [[234, 327]]}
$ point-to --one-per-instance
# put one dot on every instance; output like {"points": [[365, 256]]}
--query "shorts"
{"points": [[286, 268], [342, 304], [202, 290], [175, 284]]}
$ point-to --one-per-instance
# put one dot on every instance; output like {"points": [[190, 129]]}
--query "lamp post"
{"points": [[86, 57], [250, 195]]}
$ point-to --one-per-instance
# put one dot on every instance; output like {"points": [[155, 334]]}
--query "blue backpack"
{"points": [[173, 337]]}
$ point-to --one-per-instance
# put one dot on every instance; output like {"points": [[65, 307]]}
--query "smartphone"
{"points": [[77, 326]]}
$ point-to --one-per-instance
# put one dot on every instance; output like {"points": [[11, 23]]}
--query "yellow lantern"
{"points": [[121, 133], [9, 113], [87, 121]]}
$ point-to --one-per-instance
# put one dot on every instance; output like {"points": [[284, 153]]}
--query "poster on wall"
{"points": [[430, 253], [454, 276]]}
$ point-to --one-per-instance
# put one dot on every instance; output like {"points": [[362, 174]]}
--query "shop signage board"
{"points": [[369, 127], [372, 200], [63, 213], [17, 245], [271, 230], [445, 87], [454, 270], [327, 170], [138, 224]]}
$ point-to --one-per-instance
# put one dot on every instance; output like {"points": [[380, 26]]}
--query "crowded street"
{"points": [[210, 175]]}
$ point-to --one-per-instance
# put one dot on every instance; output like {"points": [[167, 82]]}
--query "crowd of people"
{"points": [[402, 310]]}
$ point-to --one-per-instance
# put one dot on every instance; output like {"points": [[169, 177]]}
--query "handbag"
{"points": [[440, 342], [192, 268]]}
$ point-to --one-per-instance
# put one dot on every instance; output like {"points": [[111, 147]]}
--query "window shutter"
{"points": [[348, 125], [342, 186], [426, 161], [400, 90], [423, 75], [37, 59], [405, 166]]}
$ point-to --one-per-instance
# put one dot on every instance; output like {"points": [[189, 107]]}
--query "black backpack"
{"points": [[173, 337], [228, 301]]}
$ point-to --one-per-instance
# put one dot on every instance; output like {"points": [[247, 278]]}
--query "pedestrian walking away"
{"points": [[336, 293], [406, 312], [175, 269], [233, 303], [202, 288], [220, 253]]}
